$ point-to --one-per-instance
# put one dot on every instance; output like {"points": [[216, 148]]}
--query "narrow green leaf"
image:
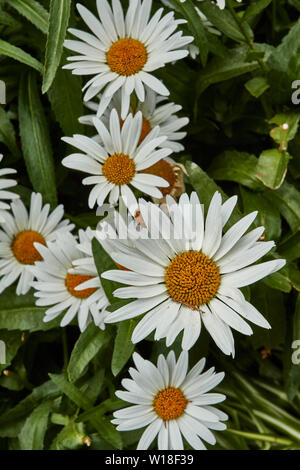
{"points": [[256, 8], [66, 101], [35, 139], [33, 12], [272, 167], [219, 69], [236, 166], [58, 23], [33, 432], [18, 54], [71, 391], [287, 199], [289, 248], [7, 133], [206, 187], [223, 21], [48, 390], [104, 263], [87, 346], [123, 347], [195, 25]]}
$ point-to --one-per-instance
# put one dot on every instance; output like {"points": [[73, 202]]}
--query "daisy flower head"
{"points": [[188, 273], [118, 163], [124, 50], [19, 233], [72, 289], [171, 403], [4, 193], [155, 111]]}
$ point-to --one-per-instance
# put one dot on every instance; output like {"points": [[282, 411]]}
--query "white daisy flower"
{"points": [[123, 51], [19, 233], [120, 161], [156, 112], [171, 403], [191, 273], [74, 290], [4, 185]]}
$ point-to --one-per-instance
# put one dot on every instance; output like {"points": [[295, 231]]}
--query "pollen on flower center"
{"points": [[169, 403], [74, 280], [192, 278], [127, 56], [119, 169], [23, 246], [165, 170]]}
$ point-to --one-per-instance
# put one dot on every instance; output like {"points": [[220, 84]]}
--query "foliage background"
{"points": [[57, 388]]}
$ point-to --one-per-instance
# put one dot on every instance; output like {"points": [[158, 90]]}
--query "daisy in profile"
{"points": [[4, 193], [188, 273], [19, 232], [58, 282], [171, 403], [124, 50], [156, 112], [118, 164]]}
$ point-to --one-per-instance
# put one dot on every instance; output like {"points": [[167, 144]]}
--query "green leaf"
{"points": [[87, 346], [101, 423], [58, 23], [206, 187], [219, 69], [287, 128], [256, 8], [66, 101], [71, 391], [278, 281], [289, 248], [7, 133], [104, 263], [123, 347], [236, 166], [287, 199], [13, 342], [35, 138], [71, 437], [195, 25], [269, 303], [10, 419], [272, 167], [33, 432], [18, 54], [223, 21], [33, 12], [268, 214], [257, 86]]}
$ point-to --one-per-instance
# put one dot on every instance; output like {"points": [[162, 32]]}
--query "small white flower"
{"points": [[19, 233], [67, 278], [156, 112], [120, 161], [171, 403], [4, 185], [220, 3], [124, 50], [191, 273]]}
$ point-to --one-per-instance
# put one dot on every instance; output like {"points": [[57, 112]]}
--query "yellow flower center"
{"points": [[169, 403], [127, 56], [23, 246], [119, 169], [192, 278], [74, 280], [165, 170]]}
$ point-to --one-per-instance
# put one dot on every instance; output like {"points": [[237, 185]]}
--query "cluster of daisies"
{"points": [[179, 270]]}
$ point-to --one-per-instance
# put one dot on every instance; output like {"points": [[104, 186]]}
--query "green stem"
{"points": [[261, 437], [245, 33]]}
